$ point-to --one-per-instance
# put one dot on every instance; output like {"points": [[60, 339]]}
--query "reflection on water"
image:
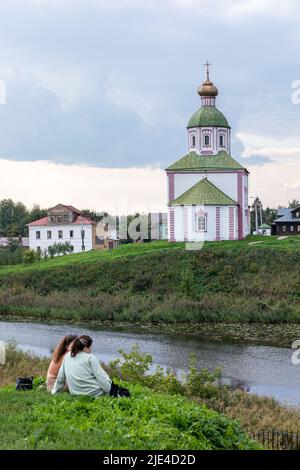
{"points": [[263, 370]]}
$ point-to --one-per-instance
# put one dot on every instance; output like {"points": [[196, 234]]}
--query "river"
{"points": [[264, 370]]}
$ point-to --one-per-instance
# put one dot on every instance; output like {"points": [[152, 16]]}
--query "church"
{"points": [[207, 188]]}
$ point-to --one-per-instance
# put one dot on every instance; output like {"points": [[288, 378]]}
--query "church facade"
{"points": [[207, 188]]}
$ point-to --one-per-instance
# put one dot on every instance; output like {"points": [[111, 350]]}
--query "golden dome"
{"points": [[207, 89]]}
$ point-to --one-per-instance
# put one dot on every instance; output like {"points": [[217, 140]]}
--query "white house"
{"points": [[67, 224], [207, 188]]}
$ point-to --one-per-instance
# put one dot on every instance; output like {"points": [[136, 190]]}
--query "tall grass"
{"points": [[249, 285]]}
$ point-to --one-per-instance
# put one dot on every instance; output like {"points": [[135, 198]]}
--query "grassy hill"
{"points": [[254, 280]]}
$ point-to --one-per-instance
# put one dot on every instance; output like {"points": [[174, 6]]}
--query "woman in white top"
{"points": [[81, 371]]}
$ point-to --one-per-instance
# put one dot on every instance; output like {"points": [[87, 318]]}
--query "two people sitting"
{"points": [[76, 369]]}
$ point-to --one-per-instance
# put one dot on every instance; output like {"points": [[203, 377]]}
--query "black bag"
{"points": [[24, 383], [117, 391]]}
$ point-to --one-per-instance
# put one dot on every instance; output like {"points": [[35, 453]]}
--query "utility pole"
{"points": [[256, 218], [260, 209]]}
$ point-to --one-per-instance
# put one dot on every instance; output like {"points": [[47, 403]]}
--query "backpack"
{"points": [[118, 392], [24, 383]]}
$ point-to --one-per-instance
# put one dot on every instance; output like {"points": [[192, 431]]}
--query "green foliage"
{"points": [[30, 256], [148, 420], [132, 365], [13, 218], [135, 366], [202, 382]]}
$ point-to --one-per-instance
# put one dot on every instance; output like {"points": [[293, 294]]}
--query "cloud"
{"points": [[112, 84], [294, 186], [273, 146], [119, 191], [256, 160]]}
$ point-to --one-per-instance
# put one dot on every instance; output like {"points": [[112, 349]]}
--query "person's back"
{"points": [[82, 372]]}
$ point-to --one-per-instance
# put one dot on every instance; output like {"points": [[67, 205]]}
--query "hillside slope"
{"points": [[225, 282]]}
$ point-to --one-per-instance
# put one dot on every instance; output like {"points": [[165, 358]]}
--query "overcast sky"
{"points": [[98, 94]]}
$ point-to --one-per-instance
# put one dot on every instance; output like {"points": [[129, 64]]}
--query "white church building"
{"points": [[207, 188]]}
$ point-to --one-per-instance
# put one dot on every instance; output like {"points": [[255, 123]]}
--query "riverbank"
{"points": [[237, 283]]}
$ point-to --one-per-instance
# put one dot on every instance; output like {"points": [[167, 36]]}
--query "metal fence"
{"points": [[278, 440]]}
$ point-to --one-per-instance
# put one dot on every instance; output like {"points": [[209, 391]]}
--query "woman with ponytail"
{"points": [[82, 372], [58, 355]]}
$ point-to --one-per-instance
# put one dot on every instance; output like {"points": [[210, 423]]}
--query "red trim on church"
{"points": [[240, 205], [172, 225], [231, 223], [218, 223]]}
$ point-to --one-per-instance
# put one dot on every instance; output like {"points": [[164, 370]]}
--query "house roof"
{"points": [[286, 215], [283, 211], [194, 162], [208, 116], [203, 193], [70, 208], [79, 220]]}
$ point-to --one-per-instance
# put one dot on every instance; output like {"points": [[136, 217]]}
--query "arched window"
{"points": [[201, 223], [221, 141], [206, 140], [193, 141]]}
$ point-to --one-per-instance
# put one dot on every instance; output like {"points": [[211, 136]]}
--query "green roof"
{"points": [[208, 116], [194, 162], [264, 226], [203, 193]]}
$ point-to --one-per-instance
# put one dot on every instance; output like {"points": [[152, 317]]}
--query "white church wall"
{"points": [[226, 182], [186, 228], [196, 140], [179, 223]]}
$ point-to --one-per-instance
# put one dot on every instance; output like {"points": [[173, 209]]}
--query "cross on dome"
{"points": [[207, 65]]}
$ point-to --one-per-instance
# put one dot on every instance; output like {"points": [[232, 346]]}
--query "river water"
{"points": [[264, 370]]}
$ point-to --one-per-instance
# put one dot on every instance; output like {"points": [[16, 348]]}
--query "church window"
{"points": [[206, 140], [221, 140], [193, 141], [201, 223]]}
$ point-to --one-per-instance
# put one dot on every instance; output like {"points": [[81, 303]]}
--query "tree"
{"points": [[13, 217], [294, 204]]}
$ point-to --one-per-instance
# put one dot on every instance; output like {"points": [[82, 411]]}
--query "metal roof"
{"points": [[286, 215], [194, 162]]}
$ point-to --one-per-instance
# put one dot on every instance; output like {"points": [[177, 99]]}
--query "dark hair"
{"points": [[62, 347], [80, 343]]}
